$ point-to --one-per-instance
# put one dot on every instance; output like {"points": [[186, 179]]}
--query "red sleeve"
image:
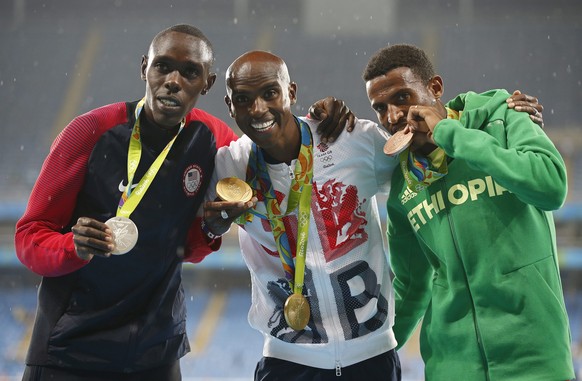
{"points": [[40, 242], [198, 245]]}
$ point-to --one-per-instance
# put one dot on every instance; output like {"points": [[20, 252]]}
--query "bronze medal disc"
{"points": [[397, 143], [233, 189], [124, 234], [296, 311]]}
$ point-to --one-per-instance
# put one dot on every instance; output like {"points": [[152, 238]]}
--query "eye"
{"points": [[270, 94], [162, 67], [379, 108], [191, 72], [240, 99], [403, 97]]}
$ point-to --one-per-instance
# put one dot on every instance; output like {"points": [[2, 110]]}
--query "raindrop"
{"points": [[295, 20], [22, 148], [235, 21]]}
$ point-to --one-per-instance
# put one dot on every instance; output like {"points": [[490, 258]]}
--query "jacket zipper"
{"points": [[475, 323], [330, 315]]}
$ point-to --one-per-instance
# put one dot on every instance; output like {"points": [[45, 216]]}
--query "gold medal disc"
{"points": [[296, 311], [233, 189], [397, 143]]}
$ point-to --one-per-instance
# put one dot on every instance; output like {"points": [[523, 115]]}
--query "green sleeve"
{"points": [[514, 151], [412, 275]]}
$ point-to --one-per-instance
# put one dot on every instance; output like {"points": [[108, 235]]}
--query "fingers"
{"points": [[524, 102], [334, 116], [91, 238], [317, 110], [321, 109], [219, 215], [529, 104]]}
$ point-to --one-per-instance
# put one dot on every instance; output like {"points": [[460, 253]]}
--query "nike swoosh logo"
{"points": [[122, 187]]}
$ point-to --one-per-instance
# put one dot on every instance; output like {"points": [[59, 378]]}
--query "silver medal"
{"points": [[124, 234]]}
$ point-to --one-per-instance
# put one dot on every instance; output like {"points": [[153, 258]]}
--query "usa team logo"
{"points": [[192, 180]]}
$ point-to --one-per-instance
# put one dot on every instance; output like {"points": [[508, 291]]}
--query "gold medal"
{"points": [[124, 234], [233, 189], [296, 311], [397, 143]]}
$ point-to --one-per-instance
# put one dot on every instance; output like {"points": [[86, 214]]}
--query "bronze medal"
{"points": [[233, 189], [124, 234], [397, 143], [296, 311]]}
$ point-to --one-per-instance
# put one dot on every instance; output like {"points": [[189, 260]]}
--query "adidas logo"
{"points": [[407, 196]]}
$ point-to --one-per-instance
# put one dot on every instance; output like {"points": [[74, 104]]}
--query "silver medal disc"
{"points": [[124, 234]]}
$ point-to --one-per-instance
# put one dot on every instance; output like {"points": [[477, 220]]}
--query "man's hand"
{"points": [[529, 104], [219, 215], [334, 116], [91, 238], [421, 120]]}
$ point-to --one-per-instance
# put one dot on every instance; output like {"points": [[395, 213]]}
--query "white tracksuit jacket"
{"points": [[347, 280]]}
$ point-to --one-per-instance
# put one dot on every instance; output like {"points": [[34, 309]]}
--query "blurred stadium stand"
{"points": [[60, 59]]}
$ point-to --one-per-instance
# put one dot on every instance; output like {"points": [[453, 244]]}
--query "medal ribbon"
{"points": [[130, 199], [420, 171], [299, 194]]}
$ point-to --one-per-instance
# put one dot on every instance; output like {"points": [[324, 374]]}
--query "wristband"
{"points": [[207, 231]]}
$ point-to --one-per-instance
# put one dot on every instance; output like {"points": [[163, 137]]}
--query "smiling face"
{"points": [[392, 94], [176, 71], [259, 98]]}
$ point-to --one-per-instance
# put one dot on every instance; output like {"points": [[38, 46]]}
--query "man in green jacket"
{"points": [[471, 236]]}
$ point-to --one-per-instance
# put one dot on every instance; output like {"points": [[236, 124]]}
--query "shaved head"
{"points": [[269, 64]]}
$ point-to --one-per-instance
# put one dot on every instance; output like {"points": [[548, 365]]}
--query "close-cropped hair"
{"points": [[187, 29], [399, 55]]}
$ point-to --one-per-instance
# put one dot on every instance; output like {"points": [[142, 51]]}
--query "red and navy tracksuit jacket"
{"points": [[125, 313]]}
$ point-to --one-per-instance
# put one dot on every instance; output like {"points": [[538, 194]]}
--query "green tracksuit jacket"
{"points": [[475, 252]]}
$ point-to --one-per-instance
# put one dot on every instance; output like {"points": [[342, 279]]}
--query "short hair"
{"points": [[399, 55], [187, 29]]}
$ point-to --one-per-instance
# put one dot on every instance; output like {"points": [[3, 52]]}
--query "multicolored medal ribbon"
{"points": [[296, 307], [420, 171], [124, 229]]}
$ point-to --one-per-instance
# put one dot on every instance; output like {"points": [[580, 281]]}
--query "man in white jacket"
{"points": [[314, 236]]}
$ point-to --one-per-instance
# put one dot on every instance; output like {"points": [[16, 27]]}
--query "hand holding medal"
{"points": [[125, 234]]}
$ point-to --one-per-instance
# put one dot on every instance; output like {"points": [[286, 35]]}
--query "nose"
{"points": [[394, 114], [258, 107], [173, 82]]}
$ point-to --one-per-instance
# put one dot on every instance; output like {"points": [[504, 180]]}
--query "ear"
{"points": [[144, 65], [293, 92], [209, 83], [229, 105], [436, 87]]}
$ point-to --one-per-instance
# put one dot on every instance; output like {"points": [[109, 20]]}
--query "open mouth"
{"points": [[263, 126], [168, 102]]}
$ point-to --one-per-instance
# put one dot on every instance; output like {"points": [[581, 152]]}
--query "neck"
{"points": [[288, 148]]}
